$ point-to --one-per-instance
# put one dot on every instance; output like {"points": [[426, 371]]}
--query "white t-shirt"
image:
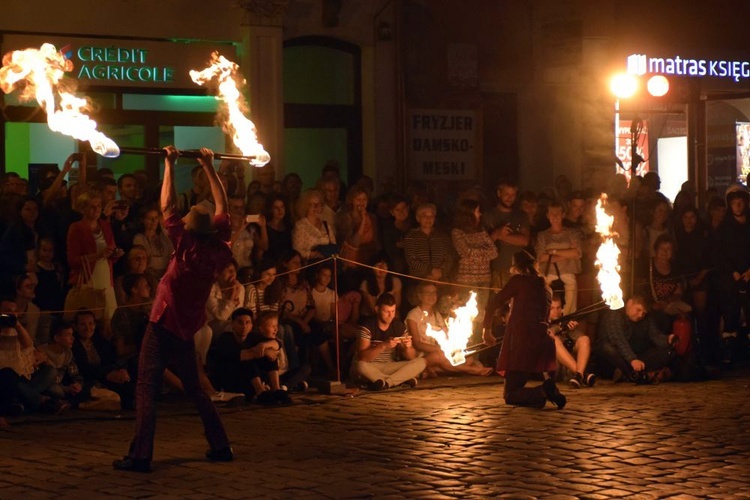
{"points": [[324, 304], [421, 319]]}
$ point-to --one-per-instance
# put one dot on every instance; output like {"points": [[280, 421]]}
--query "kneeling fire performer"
{"points": [[201, 251], [526, 349]]}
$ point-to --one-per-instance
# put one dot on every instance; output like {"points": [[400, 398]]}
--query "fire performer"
{"points": [[526, 349], [201, 252]]}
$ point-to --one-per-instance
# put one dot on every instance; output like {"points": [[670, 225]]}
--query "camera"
{"points": [[7, 320]]}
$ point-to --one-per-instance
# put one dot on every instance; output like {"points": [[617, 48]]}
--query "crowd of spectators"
{"points": [[280, 312]]}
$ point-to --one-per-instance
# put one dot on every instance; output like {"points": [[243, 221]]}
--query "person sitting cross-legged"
{"points": [[630, 346], [572, 346], [385, 356]]}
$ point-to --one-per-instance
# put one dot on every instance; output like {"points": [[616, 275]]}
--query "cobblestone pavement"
{"points": [[448, 438]]}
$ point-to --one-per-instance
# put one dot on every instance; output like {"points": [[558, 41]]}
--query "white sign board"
{"points": [[442, 144]]}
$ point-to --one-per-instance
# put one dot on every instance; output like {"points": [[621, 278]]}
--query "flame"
{"points": [[39, 72], [453, 342], [607, 258], [233, 121]]}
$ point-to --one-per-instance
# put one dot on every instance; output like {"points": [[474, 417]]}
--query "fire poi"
{"points": [[39, 74], [226, 76], [607, 258], [455, 338]]}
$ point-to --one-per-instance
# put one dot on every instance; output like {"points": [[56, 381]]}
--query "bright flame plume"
{"points": [[607, 258], [39, 73], [453, 342], [227, 76]]}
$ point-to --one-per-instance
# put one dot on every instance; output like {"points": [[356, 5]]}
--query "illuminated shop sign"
{"points": [[116, 63], [641, 64]]}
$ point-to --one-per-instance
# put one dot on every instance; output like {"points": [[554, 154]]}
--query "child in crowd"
{"points": [[261, 354], [50, 288], [69, 381]]}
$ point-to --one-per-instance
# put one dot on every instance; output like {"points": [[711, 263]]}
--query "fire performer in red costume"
{"points": [[201, 252], [526, 349]]}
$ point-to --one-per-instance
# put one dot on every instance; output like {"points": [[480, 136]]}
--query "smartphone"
{"points": [[252, 218]]}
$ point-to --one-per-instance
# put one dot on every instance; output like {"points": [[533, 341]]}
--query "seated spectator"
{"points": [[130, 321], [572, 346], [264, 293], [31, 376], [155, 241], [96, 358], [376, 282], [50, 288], [630, 346], [385, 356], [26, 310], [299, 311], [260, 354], [227, 294], [68, 379], [416, 323]]}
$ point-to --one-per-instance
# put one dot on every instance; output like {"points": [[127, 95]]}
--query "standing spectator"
{"points": [[291, 188], [312, 237], [196, 193], [136, 262], [331, 188], [559, 252], [158, 247], [658, 224], [475, 249], [201, 252], [734, 266], [92, 251], [394, 232], [428, 250], [514, 230], [356, 227], [50, 288], [278, 225], [526, 349], [18, 243]]}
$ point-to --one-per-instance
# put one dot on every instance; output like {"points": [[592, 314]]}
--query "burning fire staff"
{"points": [[526, 349], [201, 252]]}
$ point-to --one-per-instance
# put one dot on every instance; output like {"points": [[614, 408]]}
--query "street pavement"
{"points": [[447, 438]]}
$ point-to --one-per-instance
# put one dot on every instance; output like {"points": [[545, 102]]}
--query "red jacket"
{"points": [[81, 242]]}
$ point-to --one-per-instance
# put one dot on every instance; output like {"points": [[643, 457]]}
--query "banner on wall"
{"points": [[442, 144], [625, 149]]}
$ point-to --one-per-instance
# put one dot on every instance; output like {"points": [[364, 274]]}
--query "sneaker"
{"points": [[411, 383], [589, 379], [132, 464], [222, 455], [282, 397], [553, 394], [378, 385], [223, 397], [302, 386], [266, 398], [576, 381], [55, 406]]}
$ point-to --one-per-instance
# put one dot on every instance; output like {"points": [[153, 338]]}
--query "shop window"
{"points": [[34, 143], [152, 102], [190, 138]]}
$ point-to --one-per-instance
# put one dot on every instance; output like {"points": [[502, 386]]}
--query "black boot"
{"points": [[553, 394]]}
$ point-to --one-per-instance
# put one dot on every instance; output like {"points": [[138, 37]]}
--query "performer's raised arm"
{"points": [[168, 195], [217, 188]]}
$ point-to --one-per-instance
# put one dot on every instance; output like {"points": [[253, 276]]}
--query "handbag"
{"points": [[557, 286], [84, 296]]}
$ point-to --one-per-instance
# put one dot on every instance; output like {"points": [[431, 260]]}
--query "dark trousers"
{"points": [[654, 357], [160, 349], [517, 394], [8, 392]]}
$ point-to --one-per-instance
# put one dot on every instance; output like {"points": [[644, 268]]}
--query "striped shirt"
{"points": [[424, 253], [370, 330]]}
